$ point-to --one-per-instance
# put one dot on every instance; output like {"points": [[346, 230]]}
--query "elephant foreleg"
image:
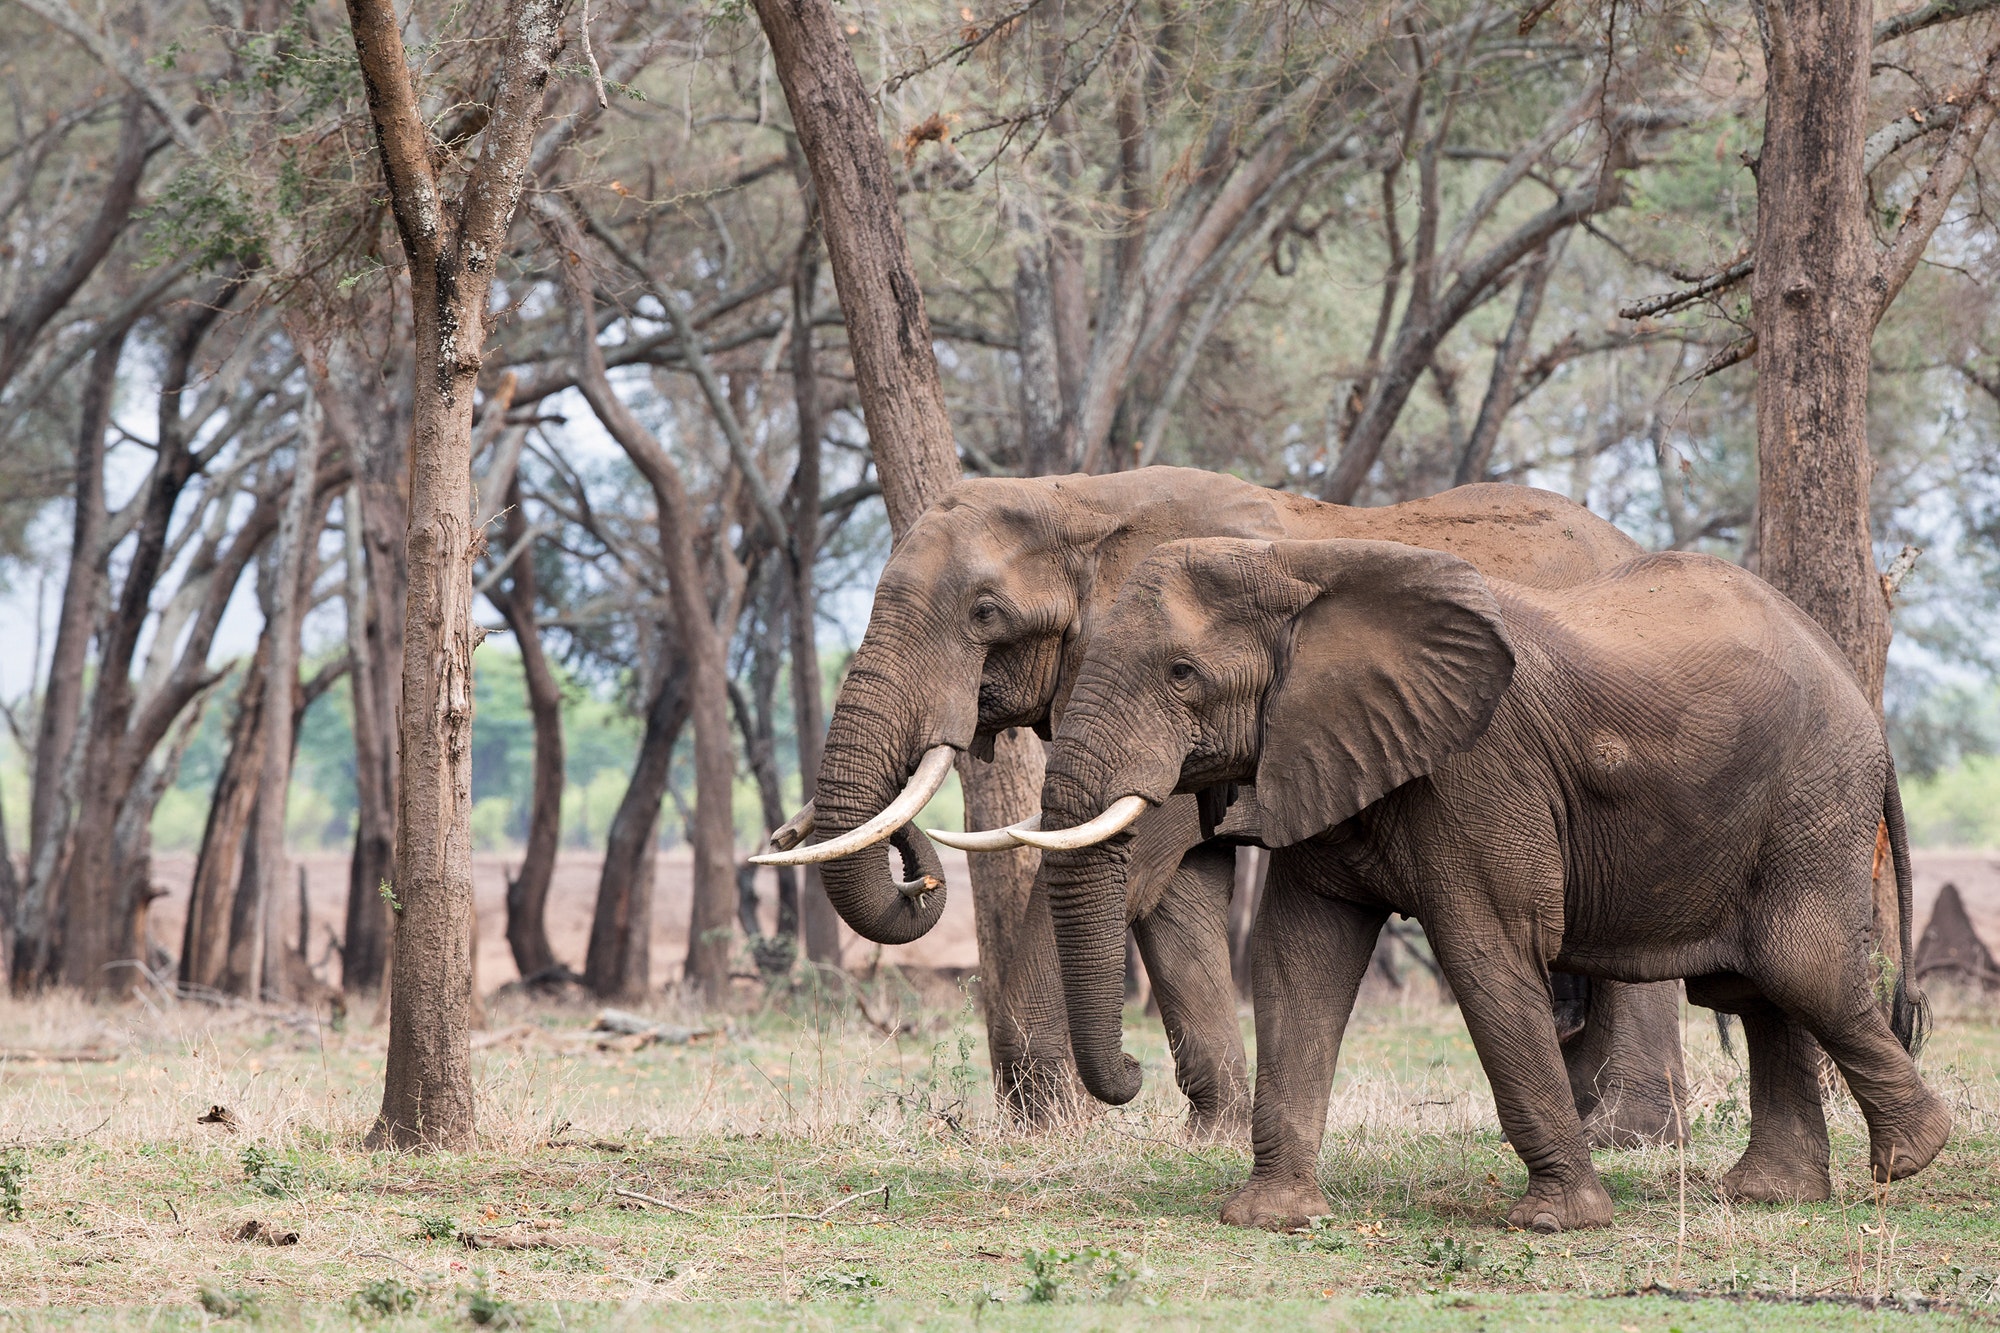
{"points": [[1034, 1077], [1308, 954], [1625, 1067], [1185, 942]]}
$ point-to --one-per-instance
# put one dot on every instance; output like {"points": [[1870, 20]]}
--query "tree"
{"points": [[452, 247]]}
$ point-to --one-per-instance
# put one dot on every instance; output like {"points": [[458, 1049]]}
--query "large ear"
{"points": [[1397, 659]]}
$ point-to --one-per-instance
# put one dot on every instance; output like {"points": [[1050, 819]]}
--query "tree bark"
{"points": [[218, 867], [374, 638], [618, 964], [1814, 315], [902, 400], [56, 760], [528, 891], [451, 248], [819, 924]]}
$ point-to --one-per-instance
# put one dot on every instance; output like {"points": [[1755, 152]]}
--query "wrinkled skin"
{"points": [[980, 623], [1667, 772]]}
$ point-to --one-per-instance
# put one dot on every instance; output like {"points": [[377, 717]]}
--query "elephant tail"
{"points": [[1909, 1011]]}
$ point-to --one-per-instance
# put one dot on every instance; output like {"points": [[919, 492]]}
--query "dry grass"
{"points": [[129, 1204]]}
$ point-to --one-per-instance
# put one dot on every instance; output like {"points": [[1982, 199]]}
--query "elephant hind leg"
{"points": [[1811, 967], [1625, 1067], [1185, 942], [1787, 1160]]}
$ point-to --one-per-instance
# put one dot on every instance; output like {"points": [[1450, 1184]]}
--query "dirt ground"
{"points": [[951, 944], [571, 899]]}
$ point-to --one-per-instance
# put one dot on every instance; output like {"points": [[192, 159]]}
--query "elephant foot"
{"points": [[1763, 1177], [1550, 1207], [1625, 1121], [1275, 1205], [1903, 1143]]}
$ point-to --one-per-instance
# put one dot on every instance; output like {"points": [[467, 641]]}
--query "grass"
{"points": [[822, 1174]]}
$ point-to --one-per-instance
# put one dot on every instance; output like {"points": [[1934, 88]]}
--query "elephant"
{"points": [[980, 621], [1666, 772]]}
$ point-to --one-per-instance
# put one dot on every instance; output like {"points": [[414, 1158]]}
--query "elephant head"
{"points": [[977, 625], [1328, 673]]}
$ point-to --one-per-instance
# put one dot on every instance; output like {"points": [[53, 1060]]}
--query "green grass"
{"points": [[129, 1206]]}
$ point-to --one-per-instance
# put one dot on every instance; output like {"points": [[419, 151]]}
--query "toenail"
{"points": [[1546, 1222]]}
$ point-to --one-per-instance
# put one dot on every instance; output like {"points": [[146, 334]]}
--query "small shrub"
{"points": [[1319, 1235], [269, 1171], [13, 1187], [854, 1282], [436, 1226], [484, 1308], [230, 1303], [384, 1296], [1109, 1274]]}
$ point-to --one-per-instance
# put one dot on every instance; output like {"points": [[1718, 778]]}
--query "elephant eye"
{"points": [[985, 612], [1182, 672]]}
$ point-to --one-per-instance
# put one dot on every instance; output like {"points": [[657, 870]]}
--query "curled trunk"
{"points": [[1087, 902]]}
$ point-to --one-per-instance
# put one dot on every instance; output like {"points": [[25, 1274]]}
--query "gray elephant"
{"points": [[980, 622], [1666, 772]]}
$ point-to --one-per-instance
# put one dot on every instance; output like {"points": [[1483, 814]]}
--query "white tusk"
{"points": [[1107, 825], [930, 775], [988, 840]]}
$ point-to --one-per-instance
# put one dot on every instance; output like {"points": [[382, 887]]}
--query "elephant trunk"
{"points": [[872, 744], [1087, 901]]}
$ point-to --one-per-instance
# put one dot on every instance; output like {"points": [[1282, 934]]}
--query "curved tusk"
{"points": [[923, 785], [987, 840], [1112, 822]]}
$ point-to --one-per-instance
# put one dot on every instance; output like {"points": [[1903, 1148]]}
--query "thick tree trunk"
{"points": [[618, 964], [896, 375], [1815, 318], [451, 248], [528, 891]]}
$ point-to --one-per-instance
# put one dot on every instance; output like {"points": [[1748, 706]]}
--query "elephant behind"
{"points": [[981, 619], [1666, 772]]}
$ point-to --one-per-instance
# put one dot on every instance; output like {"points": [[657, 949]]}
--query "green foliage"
{"points": [[1960, 807], [384, 1296], [484, 1308], [855, 1283], [1321, 1235], [437, 1226], [1083, 1274], [272, 1173], [228, 1302], [203, 214], [13, 1187]]}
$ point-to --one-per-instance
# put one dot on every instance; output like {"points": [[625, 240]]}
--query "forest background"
{"points": [[1360, 251]]}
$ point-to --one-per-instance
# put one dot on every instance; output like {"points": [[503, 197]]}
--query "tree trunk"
{"points": [[451, 248], [375, 580], [218, 867], [528, 892], [818, 922], [1814, 318], [896, 376], [56, 760], [296, 531], [618, 964]]}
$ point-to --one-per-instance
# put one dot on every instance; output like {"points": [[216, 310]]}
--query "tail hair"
{"points": [[1909, 1009]]}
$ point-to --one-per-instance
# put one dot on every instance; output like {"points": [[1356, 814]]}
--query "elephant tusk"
{"points": [[923, 785], [1107, 825], [987, 840], [794, 830]]}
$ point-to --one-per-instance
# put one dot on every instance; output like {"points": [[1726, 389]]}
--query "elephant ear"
{"points": [[1397, 659]]}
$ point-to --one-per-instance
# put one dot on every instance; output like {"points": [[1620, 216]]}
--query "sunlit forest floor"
{"points": [[830, 1157]]}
